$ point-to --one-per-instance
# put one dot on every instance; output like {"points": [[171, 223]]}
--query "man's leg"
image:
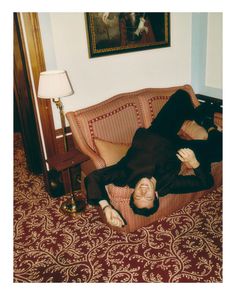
{"points": [[178, 108]]}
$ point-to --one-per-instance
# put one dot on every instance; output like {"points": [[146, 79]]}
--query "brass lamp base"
{"points": [[72, 207]]}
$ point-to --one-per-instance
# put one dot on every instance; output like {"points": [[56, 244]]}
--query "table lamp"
{"points": [[54, 85]]}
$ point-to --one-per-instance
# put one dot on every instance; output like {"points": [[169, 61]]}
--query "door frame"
{"points": [[28, 31]]}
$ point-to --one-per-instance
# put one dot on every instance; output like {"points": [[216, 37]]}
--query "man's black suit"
{"points": [[153, 153]]}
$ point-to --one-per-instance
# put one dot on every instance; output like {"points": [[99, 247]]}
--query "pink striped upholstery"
{"points": [[115, 120], [218, 119]]}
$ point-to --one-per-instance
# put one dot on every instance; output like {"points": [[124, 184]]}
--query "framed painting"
{"points": [[112, 33]]}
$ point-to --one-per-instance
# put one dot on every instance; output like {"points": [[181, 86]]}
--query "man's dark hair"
{"points": [[144, 211]]}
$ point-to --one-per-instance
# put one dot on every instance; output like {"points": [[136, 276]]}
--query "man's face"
{"points": [[144, 193]]}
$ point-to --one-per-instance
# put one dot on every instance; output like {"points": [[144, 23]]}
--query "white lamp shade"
{"points": [[54, 84]]}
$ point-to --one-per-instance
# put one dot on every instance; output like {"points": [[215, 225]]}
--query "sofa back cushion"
{"points": [[114, 120], [153, 99]]}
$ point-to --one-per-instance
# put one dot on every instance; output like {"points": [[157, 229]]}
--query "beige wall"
{"points": [[96, 79]]}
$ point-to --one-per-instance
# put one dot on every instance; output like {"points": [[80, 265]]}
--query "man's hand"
{"points": [[188, 157], [113, 217]]}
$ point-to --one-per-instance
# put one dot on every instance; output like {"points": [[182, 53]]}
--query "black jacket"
{"points": [[149, 155]]}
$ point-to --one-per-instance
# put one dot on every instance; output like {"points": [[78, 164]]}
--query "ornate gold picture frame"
{"points": [[113, 33]]}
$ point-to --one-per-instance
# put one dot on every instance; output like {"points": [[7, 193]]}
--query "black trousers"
{"points": [[170, 119], [178, 108]]}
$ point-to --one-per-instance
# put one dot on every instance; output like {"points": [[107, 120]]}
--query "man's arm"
{"points": [[95, 184], [193, 183], [112, 216], [96, 181], [185, 184]]}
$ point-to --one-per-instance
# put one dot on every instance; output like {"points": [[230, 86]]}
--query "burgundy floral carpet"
{"points": [[51, 247]]}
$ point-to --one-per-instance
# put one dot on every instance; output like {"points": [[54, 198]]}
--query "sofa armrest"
{"points": [[218, 119], [81, 144], [191, 130]]}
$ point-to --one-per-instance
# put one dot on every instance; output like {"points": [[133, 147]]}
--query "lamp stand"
{"points": [[71, 206], [59, 105]]}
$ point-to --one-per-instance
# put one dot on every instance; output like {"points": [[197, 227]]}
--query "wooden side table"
{"points": [[62, 162]]}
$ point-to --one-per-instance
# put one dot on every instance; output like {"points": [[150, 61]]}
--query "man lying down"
{"points": [[152, 164]]}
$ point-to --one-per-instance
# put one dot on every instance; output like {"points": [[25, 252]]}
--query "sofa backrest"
{"points": [[116, 119], [153, 99]]}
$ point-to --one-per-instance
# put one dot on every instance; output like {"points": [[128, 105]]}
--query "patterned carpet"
{"points": [[51, 247]]}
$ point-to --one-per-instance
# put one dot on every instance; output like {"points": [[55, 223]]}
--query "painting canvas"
{"points": [[112, 33]]}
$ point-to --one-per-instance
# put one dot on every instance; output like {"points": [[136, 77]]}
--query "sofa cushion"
{"points": [[109, 151], [191, 130]]}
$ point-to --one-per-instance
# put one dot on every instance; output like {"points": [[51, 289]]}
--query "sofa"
{"points": [[104, 132]]}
